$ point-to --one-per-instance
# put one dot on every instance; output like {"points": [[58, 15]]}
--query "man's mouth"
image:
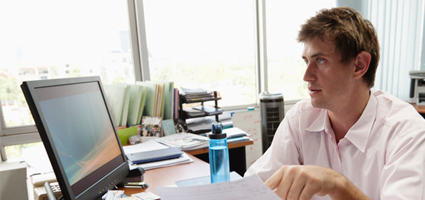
{"points": [[313, 90]]}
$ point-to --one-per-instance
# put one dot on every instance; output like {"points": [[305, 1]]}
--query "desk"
{"points": [[164, 176], [167, 176], [237, 157], [419, 108]]}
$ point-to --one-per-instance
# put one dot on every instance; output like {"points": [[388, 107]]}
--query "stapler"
{"points": [[133, 177]]}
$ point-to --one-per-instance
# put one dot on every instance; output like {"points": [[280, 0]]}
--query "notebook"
{"points": [[154, 155], [204, 180]]}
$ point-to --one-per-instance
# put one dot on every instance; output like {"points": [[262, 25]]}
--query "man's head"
{"points": [[350, 34]]}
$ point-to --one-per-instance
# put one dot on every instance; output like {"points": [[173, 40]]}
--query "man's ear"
{"points": [[361, 64]]}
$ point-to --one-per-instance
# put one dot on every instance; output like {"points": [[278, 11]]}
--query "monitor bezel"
{"points": [[100, 187]]}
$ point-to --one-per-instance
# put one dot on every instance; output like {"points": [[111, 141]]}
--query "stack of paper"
{"points": [[185, 141], [153, 145], [248, 188], [196, 94]]}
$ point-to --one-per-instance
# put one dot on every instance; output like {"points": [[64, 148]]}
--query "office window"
{"points": [[43, 39], [285, 66], [204, 44], [58, 39]]}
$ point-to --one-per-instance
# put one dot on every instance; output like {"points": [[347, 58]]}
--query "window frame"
{"points": [[29, 134]]}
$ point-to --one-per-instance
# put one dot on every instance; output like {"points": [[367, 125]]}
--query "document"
{"points": [[244, 189], [185, 141], [143, 147]]}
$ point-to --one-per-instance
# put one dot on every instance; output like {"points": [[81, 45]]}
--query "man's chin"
{"points": [[317, 104]]}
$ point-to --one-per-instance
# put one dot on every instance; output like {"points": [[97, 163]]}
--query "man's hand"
{"points": [[303, 182]]}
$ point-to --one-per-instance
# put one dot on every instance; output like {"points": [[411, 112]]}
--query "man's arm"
{"points": [[303, 182]]}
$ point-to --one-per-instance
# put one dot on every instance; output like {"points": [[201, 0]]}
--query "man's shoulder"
{"points": [[394, 112], [388, 104]]}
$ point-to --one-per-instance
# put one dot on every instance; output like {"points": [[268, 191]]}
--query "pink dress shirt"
{"points": [[383, 153]]}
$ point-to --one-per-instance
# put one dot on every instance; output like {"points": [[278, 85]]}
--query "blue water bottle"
{"points": [[219, 155]]}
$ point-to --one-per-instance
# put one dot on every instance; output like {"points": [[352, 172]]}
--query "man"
{"points": [[347, 141]]}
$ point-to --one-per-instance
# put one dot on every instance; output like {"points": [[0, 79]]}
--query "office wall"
{"points": [[13, 181]]}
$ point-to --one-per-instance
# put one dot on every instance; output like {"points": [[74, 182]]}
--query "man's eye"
{"points": [[320, 61]]}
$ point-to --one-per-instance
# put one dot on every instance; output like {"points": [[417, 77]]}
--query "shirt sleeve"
{"points": [[282, 151], [403, 174]]}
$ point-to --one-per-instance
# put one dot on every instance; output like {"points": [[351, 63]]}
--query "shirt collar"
{"points": [[359, 133], [320, 123]]}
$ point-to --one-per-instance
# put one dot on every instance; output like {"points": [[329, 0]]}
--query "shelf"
{"points": [[214, 96], [186, 116], [200, 99]]}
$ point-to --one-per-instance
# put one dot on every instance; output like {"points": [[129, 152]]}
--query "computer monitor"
{"points": [[78, 133]]}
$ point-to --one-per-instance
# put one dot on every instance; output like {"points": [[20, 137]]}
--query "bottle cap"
{"points": [[217, 131]]}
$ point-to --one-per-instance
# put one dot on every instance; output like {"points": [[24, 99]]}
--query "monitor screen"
{"points": [[78, 133]]}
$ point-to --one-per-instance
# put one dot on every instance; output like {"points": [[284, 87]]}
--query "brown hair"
{"points": [[349, 32]]}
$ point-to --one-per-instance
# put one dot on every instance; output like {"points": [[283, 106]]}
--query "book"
{"points": [[124, 115], [168, 94], [151, 97], [159, 99], [142, 105], [135, 103], [176, 103], [168, 100]]}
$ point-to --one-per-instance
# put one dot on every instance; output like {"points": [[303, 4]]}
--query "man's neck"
{"points": [[342, 119]]}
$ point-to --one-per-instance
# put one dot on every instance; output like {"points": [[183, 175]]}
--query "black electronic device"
{"points": [[78, 133], [135, 175]]}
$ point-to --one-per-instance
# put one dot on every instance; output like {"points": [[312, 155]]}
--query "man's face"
{"points": [[329, 80]]}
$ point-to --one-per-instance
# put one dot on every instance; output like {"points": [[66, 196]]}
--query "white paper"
{"points": [[144, 146], [244, 189], [250, 122], [185, 141], [114, 194]]}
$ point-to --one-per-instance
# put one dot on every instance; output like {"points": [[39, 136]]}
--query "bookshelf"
{"points": [[200, 111]]}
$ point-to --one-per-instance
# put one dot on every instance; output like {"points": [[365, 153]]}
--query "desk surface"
{"points": [[167, 176], [419, 108], [230, 146]]}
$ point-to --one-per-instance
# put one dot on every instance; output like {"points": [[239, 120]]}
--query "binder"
{"points": [[154, 155], [151, 98]]}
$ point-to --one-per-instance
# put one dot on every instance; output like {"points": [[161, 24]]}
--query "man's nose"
{"points": [[309, 73]]}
